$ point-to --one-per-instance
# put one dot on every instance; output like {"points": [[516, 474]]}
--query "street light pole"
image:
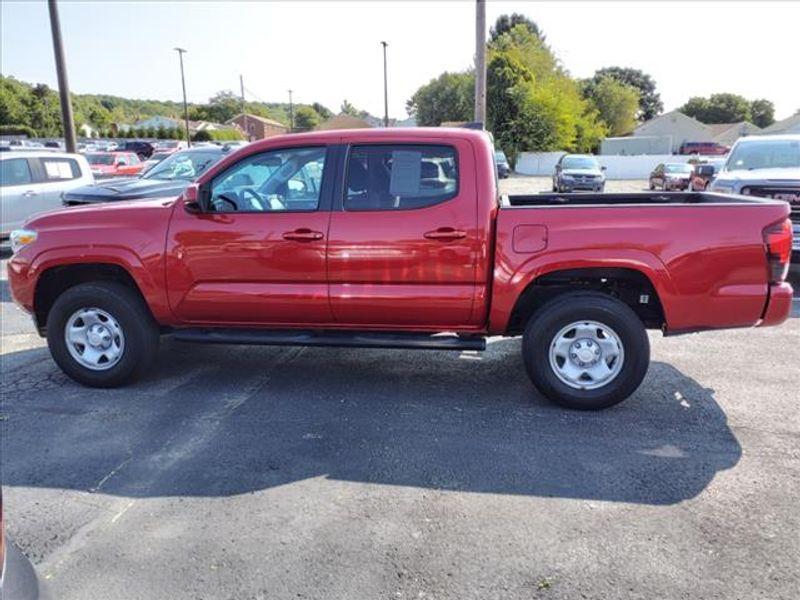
{"points": [[291, 113], [385, 89], [244, 112], [67, 120], [181, 52], [480, 62]]}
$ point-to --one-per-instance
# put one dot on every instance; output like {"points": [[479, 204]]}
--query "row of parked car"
{"points": [[35, 181]]}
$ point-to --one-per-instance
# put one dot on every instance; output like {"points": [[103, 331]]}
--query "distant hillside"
{"points": [[37, 106]]}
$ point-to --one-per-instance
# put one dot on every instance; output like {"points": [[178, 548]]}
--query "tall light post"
{"points": [[480, 61], [67, 120], [291, 113], [181, 52], [385, 89]]}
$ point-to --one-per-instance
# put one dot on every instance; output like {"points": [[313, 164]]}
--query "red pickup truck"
{"points": [[398, 238]]}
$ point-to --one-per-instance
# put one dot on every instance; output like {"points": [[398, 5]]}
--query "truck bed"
{"points": [[703, 252]]}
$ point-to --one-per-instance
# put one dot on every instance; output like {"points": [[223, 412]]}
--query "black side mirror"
{"points": [[603, 168], [204, 197]]}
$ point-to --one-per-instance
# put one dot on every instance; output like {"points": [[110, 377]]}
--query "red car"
{"points": [[114, 164], [398, 238], [705, 148]]}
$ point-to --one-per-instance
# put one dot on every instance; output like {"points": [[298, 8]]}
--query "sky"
{"points": [[329, 51]]}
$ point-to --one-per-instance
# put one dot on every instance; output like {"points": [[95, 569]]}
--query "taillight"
{"points": [[778, 243]]}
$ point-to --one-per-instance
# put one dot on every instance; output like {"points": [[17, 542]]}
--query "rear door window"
{"points": [[15, 171], [60, 169], [400, 177]]}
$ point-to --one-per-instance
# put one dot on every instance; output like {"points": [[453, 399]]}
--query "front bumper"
{"points": [[680, 184], [581, 186]]}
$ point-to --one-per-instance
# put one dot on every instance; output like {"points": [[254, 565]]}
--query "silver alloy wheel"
{"points": [[94, 339], [586, 355]]}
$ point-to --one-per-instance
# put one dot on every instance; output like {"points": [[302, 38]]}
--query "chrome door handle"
{"points": [[303, 235], [445, 234]]}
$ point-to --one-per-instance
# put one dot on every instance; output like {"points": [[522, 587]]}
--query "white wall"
{"points": [[617, 167]]}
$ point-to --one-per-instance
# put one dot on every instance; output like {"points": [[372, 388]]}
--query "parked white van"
{"points": [[33, 181]]}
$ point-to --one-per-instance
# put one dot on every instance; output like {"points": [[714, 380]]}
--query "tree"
{"points": [[617, 103], [762, 112], [449, 97], [306, 118], [222, 107], [348, 109], [718, 108], [161, 132], [506, 23], [650, 103], [323, 111], [560, 118]]}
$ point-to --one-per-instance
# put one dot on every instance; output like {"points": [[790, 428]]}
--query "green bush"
{"points": [[202, 136], [17, 130], [217, 135]]}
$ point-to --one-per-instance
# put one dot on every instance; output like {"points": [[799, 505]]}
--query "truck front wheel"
{"points": [[586, 350], [101, 334]]}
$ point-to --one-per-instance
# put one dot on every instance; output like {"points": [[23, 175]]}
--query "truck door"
{"points": [[258, 256], [403, 243]]}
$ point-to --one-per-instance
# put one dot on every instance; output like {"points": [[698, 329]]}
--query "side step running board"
{"points": [[349, 339]]}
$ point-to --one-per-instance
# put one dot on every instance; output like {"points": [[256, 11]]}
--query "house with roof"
{"points": [[679, 127], [788, 125], [727, 133], [256, 127], [666, 133]]}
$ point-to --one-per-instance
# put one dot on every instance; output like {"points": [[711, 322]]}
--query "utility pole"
{"points": [[385, 89], [480, 61], [67, 120], [244, 112], [291, 113], [180, 52]]}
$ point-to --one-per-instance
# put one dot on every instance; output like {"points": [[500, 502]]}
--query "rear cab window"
{"points": [[400, 176]]}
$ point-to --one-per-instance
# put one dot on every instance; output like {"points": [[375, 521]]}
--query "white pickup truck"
{"points": [[767, 166]]}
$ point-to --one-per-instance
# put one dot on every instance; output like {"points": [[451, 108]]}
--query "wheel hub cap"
{"points": [[586, 355], [94, 338]]}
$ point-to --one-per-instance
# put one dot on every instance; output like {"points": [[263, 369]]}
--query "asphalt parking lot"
{"points": [[272, 473]]}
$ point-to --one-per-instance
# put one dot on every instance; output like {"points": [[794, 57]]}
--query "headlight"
{"points": [[566, 177], [20, 238]]}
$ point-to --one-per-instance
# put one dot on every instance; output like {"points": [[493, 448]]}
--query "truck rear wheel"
{"points": [[586, 350], [101, 334]]}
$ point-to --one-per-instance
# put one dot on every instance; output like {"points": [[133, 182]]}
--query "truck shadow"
{"points": [[219, 421]]}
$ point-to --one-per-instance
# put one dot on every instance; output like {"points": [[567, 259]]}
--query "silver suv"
{"points": [[767, 166], [576, 172]]}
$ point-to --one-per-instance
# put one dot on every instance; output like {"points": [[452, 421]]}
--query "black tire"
{"points": [[565, 309], [141, 333]]}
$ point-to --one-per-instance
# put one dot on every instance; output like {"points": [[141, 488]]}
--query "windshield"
{"points": [[678, 168], [580, 162], [764, 154], [183, 165], [100, 159], [500, 156], [160, 155]]}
